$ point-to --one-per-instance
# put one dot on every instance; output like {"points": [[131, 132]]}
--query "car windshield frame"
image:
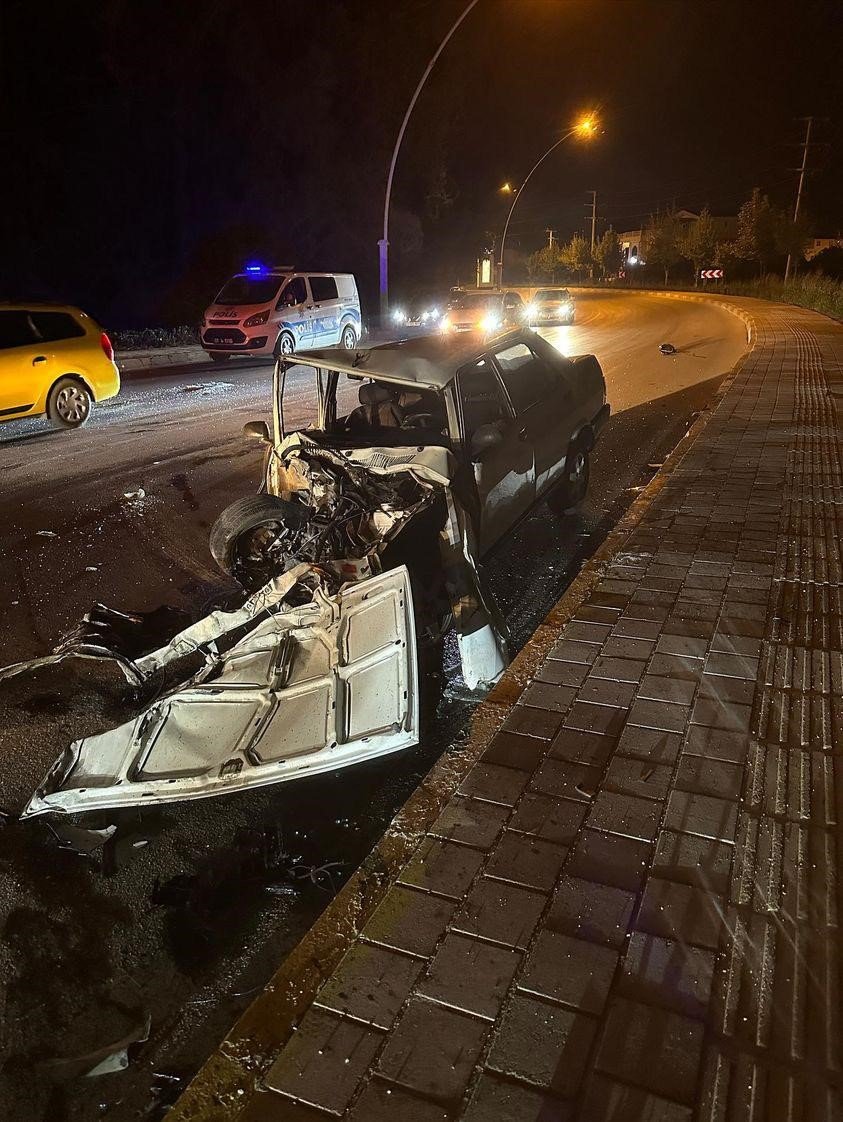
{"points": [[473, 301], [249, 299], [552, 296]]}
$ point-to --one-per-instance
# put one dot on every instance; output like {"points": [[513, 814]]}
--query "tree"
{"points": [[791, 235], [661, 242], [544, 263], [698, 243], [576, 255], [759, 231], [608, 254]]}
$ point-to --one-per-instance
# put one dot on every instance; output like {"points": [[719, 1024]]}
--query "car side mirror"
{"points": [[259, 430], [483, 440]]}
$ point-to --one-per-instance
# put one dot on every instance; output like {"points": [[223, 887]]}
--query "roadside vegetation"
{"points": [[673, 251]]}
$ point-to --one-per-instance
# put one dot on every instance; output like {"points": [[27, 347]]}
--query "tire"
{"points": [[69, 403], [215, 356], [348, 338], [245, 515], [572, 489], [286, 344]]}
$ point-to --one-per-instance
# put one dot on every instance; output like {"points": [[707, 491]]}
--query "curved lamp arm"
{"points": [[407, 115], [538, 162]]}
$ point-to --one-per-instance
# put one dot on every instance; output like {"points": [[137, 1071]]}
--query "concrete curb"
{"points": [[224, 1085], [128, 361]]}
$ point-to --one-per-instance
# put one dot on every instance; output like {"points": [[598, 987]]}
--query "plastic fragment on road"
{"points": [[139, 494], [112, 1057], [46, 534]]}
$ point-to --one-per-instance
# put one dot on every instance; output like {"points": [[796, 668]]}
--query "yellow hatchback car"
{"points": [[55, 360]]}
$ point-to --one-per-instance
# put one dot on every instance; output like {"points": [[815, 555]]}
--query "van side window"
{"points": [[525, 375], [295, 292], [323, 289], [54, 326], [15, 330]]}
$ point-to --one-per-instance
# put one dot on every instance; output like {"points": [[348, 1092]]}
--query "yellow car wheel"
{"points": [[69, 404]]}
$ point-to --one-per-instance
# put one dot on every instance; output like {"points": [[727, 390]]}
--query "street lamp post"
{"points": [[585, 128], [383, 244]]}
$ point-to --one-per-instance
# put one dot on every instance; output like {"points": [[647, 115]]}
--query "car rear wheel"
{"points": [[570, 492], [215, 356], [241, 538], [348, 338], [286, 344], [69, 404]]}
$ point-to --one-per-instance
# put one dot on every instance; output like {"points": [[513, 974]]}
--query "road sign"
{"points": [[711, 274]]}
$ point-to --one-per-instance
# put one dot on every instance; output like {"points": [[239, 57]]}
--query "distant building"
{"points": [[725, 225], [817, 245]]}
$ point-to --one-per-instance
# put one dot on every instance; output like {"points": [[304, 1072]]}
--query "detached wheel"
{"points": [[215, 356], [571, 491], [348, 338], [286, 344], [69, 404], [247, 525]]}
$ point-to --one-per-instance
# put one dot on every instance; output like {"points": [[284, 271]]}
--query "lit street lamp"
{"points": [[383, 244], [587, 128]]}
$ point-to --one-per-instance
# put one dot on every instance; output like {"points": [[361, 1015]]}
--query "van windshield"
{"points": [[249, 290]]}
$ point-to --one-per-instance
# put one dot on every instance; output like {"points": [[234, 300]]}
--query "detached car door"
{"points": [[541, 400], [504, 474]]}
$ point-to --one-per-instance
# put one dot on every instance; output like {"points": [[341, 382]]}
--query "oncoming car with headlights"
{"points": [[483, 311], [419, 311], [551, 305]]}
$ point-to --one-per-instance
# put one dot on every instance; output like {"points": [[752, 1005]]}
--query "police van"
{"points": [[276, 309]]}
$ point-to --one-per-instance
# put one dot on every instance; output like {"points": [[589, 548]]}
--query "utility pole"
{"points": [[550, 234], [806, 144]]}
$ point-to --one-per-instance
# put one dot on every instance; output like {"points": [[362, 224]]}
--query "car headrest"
{"points": [[373, 393]]}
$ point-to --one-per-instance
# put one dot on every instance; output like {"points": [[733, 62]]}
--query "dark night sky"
{"points": [[150, 148]]}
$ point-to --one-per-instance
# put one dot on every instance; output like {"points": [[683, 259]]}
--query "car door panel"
{"points": [[504, 476], [20, 373]]}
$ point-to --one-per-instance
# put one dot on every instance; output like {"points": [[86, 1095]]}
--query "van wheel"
{"points": [[570, 492], [348, 338], [215, 356], [286, 344], [69, 404], [242, 538]]}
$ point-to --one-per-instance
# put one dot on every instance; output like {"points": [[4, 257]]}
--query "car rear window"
{"points": [[15, 330], [323, 288], [54, 326]]}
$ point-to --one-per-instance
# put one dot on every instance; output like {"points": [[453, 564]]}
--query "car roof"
{"points": [[39, 306], [429, 360]]}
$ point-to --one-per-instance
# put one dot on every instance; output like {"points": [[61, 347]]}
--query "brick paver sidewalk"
{"points": [[629, 910]]}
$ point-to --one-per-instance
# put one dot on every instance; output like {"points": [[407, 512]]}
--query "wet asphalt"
{"points": [[169, 927]]}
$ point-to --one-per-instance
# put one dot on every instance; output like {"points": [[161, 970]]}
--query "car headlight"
{"points": [[399, 315], [446, 323], [530, 311], [490, 322], [257, 320]]}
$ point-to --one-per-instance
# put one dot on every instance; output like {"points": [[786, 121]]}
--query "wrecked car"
{"points": [[358, 555]]}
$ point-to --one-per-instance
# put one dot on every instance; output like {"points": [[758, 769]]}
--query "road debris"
{"points": [[46, 534], [110, 1058], [132, 495]]}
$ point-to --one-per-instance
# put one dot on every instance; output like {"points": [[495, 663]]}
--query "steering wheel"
{"points": [[419, 421]]}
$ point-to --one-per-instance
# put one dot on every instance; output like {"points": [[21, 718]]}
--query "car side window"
{"points": [[52, 327], [525, 375], [323, 289], [15, 330], [481, 399], [295, 292]]}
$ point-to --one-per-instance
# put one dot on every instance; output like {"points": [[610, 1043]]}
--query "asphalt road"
{"points": [[189, 909]]}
